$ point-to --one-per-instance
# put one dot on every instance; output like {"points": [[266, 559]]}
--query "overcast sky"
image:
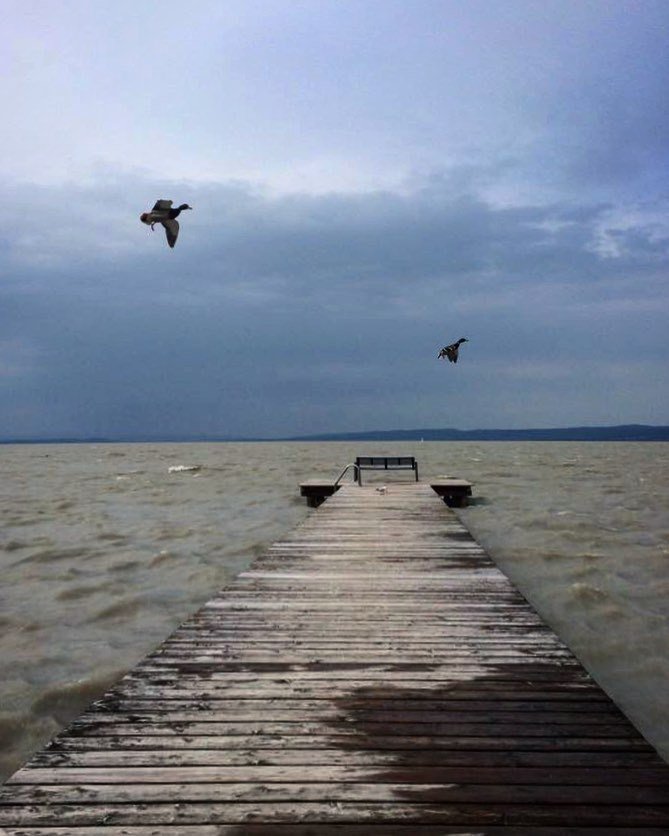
{"points": [[371, 179]]}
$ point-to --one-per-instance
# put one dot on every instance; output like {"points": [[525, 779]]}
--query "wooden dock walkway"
{"points": [[373, 673]]}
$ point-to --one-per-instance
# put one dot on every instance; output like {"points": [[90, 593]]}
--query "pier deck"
{"points": [[373, 673]]}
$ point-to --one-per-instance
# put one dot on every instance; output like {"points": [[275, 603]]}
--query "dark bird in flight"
{"points": [[162, 213], [451, 351]]}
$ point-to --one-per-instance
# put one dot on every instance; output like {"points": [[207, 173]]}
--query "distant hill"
{"points": [[624, 432]]}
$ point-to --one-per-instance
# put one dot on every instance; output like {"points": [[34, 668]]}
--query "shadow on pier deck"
{"points": [[373, 673]]}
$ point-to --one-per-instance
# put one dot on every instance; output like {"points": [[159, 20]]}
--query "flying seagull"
{"points": [[451, 351], [162, 213]]}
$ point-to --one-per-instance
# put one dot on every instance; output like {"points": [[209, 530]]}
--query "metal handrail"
{"points": [[355, 472]]}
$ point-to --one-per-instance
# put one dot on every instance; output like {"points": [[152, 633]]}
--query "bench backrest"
{"points": [[385, 462]]}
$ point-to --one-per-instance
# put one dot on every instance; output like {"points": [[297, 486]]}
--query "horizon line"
{"points": [[410, 434]]}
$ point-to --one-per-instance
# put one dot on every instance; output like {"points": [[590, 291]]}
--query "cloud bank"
{"points": [[296, 313]]}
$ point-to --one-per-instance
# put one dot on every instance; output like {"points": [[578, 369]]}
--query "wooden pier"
{"points": [[373, 673]]}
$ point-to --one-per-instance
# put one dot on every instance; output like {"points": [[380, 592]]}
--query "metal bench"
{"points": [[385, 463]]}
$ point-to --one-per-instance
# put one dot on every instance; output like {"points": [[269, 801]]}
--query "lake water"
{"points": [[103, 551]]}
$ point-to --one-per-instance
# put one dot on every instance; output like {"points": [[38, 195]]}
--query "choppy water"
{"points": [[104, 550]]}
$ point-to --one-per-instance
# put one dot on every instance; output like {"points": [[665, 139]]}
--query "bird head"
{"points": [[185, 206], [463, 340], [144, 218]]}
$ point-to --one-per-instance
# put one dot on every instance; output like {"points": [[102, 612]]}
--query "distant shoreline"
{"points": [[622, 432]]}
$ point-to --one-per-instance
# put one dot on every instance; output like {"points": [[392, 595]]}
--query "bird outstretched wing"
{"points": [[449, 351], [171, 230], [162, 204]]}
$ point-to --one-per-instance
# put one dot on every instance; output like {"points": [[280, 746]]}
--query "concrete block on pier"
{"points": [[454, 492], [316, 491]]}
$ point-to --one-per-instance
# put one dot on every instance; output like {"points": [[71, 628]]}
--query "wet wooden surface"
{"points": [[373, 673]]}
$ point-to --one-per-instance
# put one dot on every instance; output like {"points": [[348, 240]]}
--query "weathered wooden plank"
{"points": [[527, 670], [445, 645], [133, 725], [378, 791], [342, 609], [180, 740], [374, 631], [138, 713], [310, 773], [442, 652], [355, 676], [453, 614], [332, 811], [358, 681], [110, 758], [330, 829], [143, 702], [175, 690], [322, 658], [327, 829]]}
